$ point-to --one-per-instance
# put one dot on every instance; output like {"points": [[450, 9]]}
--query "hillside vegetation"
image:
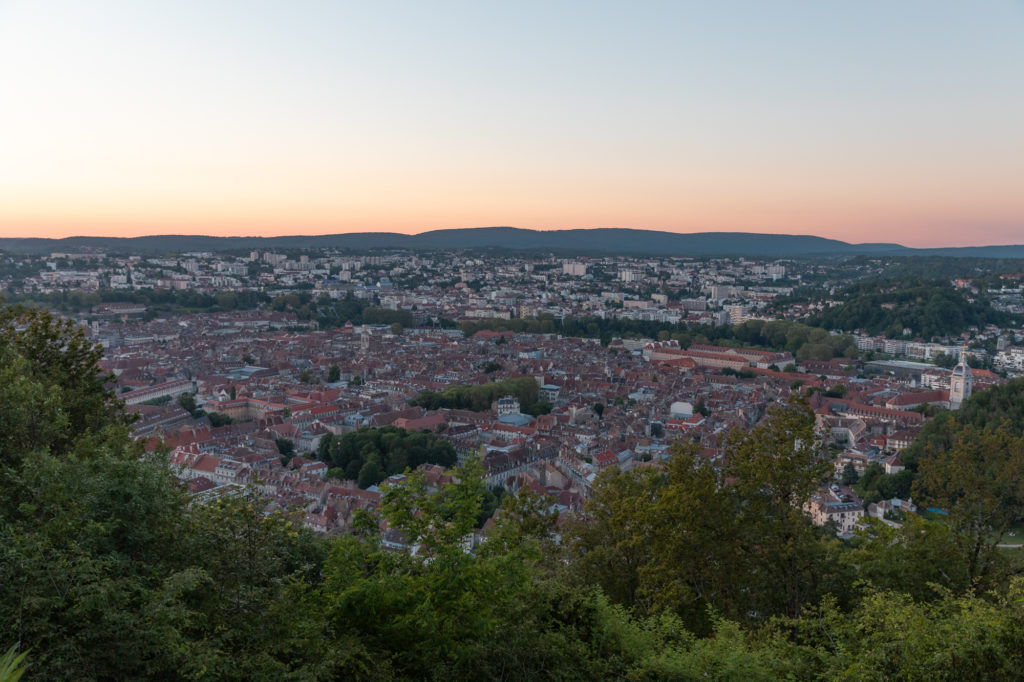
{"points": [[926, 308]]}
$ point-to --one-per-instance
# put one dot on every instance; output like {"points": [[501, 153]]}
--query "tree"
{"points": [[52, 352], [218, 419], [370, 473], [286, 448], [492, 613], [599, 410], [393, 449], [613, 545], [333, 374], [536, 409], [695, 543], [913, 559], [100, 539], [978, 483], [693, 537], [837, 391], [479, 397], [323, 450], [775, 471], [187, 401], [850, 475]]}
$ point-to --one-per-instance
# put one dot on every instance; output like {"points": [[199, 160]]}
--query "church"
{"points": [[960, 383]]}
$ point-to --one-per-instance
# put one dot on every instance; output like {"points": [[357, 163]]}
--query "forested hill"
{"points": [[928, 308], [682, 571], [597, 240]]}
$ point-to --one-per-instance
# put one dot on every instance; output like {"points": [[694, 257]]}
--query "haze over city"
{"points": [[896, 122]]}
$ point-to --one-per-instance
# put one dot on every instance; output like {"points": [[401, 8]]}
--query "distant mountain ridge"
{"points": [[582, 241]]}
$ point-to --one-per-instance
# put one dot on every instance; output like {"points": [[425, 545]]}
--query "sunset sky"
{"points": [[864, 121]]}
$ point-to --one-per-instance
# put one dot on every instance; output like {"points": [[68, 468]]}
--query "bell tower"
{"points": [[961, 382]]}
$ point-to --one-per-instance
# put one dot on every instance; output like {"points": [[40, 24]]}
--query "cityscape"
{"points": [[511, 341], [253, 392]]}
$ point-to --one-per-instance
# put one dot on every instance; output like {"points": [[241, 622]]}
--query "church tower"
{"points": [[961, 382]]}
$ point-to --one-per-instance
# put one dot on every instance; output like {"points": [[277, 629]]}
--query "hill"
{"points": [[928, 308], [599, 240]]}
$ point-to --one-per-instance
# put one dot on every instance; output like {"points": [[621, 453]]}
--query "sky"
{"points": [[866, 121]]}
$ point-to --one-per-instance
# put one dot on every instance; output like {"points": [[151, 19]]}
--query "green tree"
{"points": [[187, 401], [285, 448], [913, 559], [218, 419], [55, 353], [613, 545], [370, 473], [333, 374], [775, 471], [979, 485], [890, 635], [837, 391], [489, 614], [393, 449]]}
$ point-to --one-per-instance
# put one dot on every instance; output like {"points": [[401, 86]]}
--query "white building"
{"points": [[508, 405], [960, 383]]}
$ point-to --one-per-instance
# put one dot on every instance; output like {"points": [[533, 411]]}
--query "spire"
{"points": [[963, 358]]}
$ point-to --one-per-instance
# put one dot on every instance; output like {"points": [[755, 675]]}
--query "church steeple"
{"points": [[961, 382]]}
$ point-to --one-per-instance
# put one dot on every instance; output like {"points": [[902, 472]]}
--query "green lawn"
{"points": [[1017, 537]]}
